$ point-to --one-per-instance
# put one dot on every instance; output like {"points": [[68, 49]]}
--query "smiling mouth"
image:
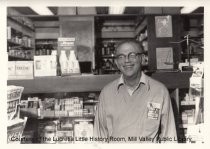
{"points": [[128, 66]]}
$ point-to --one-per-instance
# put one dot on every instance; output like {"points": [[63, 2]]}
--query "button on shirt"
{"points": [[146, 112]]}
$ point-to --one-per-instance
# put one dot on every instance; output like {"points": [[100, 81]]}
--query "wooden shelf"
{"points": [[188, 103], [110, 69], [19, 58], [86, 83], [184, 125], [17, 45], [108, 56]]}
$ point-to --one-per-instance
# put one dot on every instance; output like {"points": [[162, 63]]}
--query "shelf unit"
{"points": [[193, 27], [91, 83], [191, 116], [20, 38], [46, 36], [142, 36], [45, 46]]}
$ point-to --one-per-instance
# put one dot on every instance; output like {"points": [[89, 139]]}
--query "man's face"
{"points": [[128, 59]]}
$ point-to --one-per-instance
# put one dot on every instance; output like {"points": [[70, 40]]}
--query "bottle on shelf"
{"points": [[63, 62], [73, 63]]}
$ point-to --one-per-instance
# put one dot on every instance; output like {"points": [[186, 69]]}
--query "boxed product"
{"points": [[83, 128], [20, 70], [9, 32], [47, 131], [48, 107], [15, 129], [45, 65], [13, 99], [65, 131], [30, 107]]}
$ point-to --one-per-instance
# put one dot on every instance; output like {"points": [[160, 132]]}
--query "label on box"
{"points": [[11, 68], [45, 65], [20, 70]]}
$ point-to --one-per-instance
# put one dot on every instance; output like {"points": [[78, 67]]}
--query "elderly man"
{"points": [[135, 106]]}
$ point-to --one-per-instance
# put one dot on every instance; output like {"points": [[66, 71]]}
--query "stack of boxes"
{"points": [[69, 107], [51, 107], [15, 125]]}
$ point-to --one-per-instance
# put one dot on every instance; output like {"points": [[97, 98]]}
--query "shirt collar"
{"points": [[143, 80]]}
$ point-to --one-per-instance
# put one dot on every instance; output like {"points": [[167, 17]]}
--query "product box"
{"points": [[20, 70], [11, 70], [83, 128], [45, 65], [15, 129], [13, 99], [9, 32]]}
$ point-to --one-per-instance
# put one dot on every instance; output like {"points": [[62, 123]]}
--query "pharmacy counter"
{"points": [[85, 83]]}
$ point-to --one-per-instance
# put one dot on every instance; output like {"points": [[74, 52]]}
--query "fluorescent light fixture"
{"points": [[188, 9], [41, 10], [116, 10]]}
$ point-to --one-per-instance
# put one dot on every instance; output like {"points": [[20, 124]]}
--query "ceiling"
{"points": [[99, 10], [104, 10], [131, 14]]}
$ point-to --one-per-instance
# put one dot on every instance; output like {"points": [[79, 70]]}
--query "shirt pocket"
{"points": [[151, 125]]}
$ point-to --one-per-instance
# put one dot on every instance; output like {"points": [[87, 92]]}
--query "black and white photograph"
{"points": [[104, 73]]}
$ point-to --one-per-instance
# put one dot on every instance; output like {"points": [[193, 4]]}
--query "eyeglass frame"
{"points": [[129, 58]]}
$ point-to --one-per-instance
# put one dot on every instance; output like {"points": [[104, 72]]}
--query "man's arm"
{"points": [[168, 127], [100, 125]]}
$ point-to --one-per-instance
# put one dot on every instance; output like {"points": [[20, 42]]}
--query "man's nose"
{"points": [[127, 59]]}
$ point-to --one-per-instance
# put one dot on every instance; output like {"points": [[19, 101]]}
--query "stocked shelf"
{"points": [[35, 115], [17, 45], [186, 103]]}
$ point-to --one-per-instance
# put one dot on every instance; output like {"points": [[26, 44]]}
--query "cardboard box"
{"points": [[9, 32], [11, 69], [45, 65], [20, 70]]}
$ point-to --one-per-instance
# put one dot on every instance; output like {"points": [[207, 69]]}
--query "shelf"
{"points": [[88, 83], [187, 103], [107, 56], [34, 114], [184, 125], [71, 117], [18, 58], [121, 34], [90, 102], [44, 44], [17, 45], [192, 54], [110, 69]]}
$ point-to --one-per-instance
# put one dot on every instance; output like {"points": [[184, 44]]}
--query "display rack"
{"points": [[20, 38]]}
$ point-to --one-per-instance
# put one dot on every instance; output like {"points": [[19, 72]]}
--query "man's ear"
{"points": [[142, 59]]}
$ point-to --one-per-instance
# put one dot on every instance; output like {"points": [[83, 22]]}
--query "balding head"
{"points": [[136, 44]]}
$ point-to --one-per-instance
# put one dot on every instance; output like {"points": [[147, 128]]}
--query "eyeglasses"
{"points": [[131, 56]]}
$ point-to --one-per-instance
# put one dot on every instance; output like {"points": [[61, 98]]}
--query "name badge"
{"points": [[153, 110]]}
